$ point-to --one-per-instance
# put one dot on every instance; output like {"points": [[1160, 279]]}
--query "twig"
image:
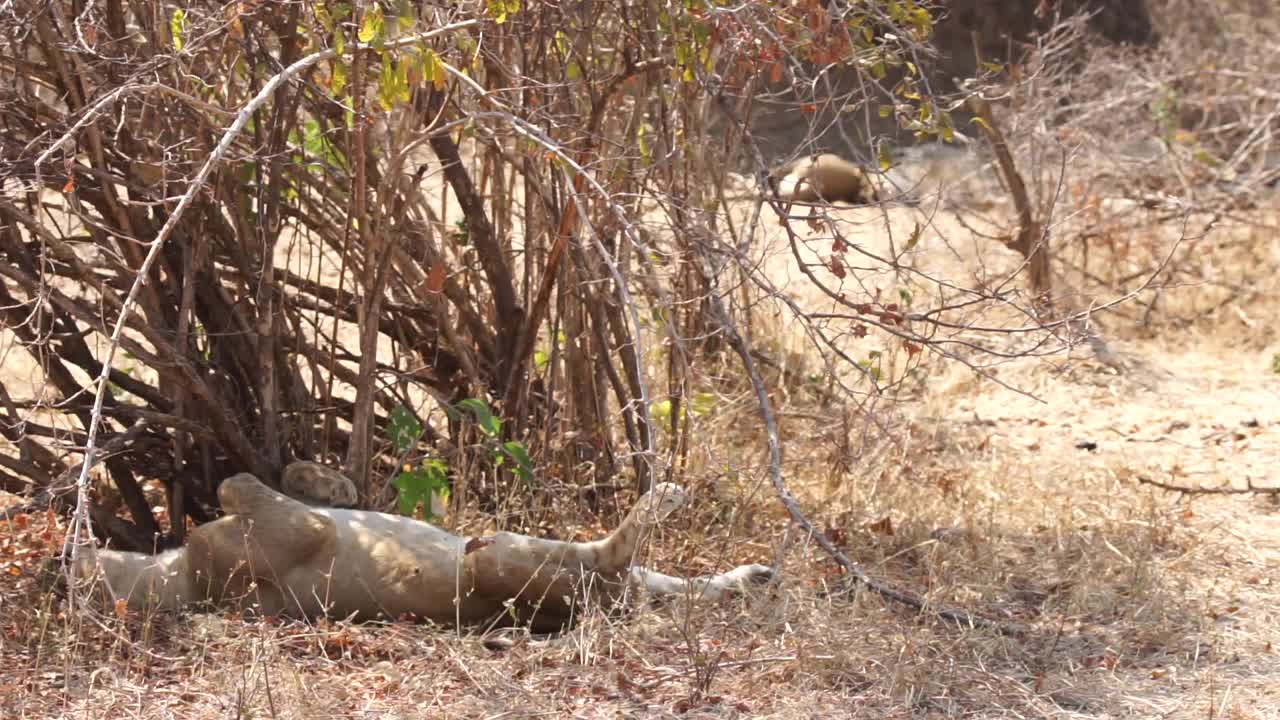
{"points": [[91, 113], [1249, 488]]}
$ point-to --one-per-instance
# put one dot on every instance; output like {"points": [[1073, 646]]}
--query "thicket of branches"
{"points": [[389, 210]]}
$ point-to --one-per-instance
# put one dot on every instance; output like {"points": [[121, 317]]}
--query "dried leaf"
{"points": [[837, 267], [475, 544], [435, 278], [883, 526], [915, 237]]}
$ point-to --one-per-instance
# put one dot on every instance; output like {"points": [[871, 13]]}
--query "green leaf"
{"points": [[498, 9], [461, 235], [338, 80], [402, 82], [661, 410], [642, 139], [702, 33], [524, 466], [433, 68], [178, 25], [905, 295], [485, 418], [884, 155], [872, 370], [410, 493], [326, 19], [541, 359], [387, 84], [404, 14], [417, 485], [702, 403], [403, 429]]}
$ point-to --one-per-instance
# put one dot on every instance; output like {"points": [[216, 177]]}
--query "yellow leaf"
{"points": [[371, 28], [339, 79], [177, 25], [885, 157]]}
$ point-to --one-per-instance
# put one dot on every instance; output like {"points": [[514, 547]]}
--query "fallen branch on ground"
{"points": [[1249, 488]]}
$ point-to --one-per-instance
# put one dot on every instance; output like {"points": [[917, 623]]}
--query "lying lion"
{"points": [[280, 556], [823, 178]]}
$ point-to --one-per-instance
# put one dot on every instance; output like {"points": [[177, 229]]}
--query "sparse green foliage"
{"points": [[517, 453], [491, 426], [177, 28], [417, 485], [371, 28], [488, 422], [403, 429], [500, 10]]}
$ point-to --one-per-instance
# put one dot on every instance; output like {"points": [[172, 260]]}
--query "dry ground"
{"points": [[1137, 602]]}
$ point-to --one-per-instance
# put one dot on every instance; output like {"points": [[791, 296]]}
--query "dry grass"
{"points": [[1139, 603]]}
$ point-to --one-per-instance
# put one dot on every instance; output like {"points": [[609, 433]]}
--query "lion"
{"points": [[823, 178], [276, 555]]}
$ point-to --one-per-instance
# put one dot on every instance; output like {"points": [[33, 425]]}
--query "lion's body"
{"points": [[823, 178], [276, 554]]}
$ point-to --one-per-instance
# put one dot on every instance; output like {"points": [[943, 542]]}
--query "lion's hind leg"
{"points": [[712, 588], [143, 581]]}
